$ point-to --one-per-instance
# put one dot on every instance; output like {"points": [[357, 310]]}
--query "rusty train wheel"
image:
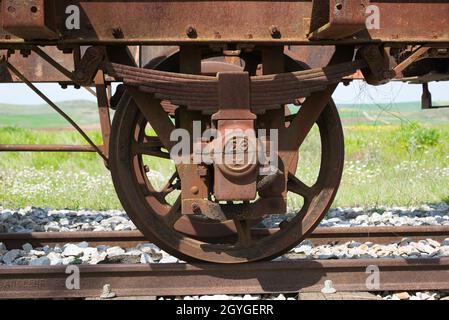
{"points": [[188, 238]]}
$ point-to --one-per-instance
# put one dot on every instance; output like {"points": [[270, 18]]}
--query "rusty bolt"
{"points": [[196, 208], [11, 9], [275, 31], [25, 53], [191, 32], [117, 33], [195, 190]]}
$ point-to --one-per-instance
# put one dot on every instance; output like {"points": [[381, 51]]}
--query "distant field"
{"points": [[389, 114], [44, 117], [85, 113]]}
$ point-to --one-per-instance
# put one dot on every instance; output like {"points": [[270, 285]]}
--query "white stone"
{"points": [[98, 258], [42, 261], [217, 297], [115, 251], [89, 253], [250, 297], [67, 260], [168, 259], [37, 253], [134, 252], [433, 243], [149, 248], [72, 250], [145, 258], [306, 249], [55, 259]]}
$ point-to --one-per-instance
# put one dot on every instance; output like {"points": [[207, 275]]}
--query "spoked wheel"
{"points": [[156, 210]]}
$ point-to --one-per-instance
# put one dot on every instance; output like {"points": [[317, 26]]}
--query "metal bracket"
{"points": [[346, 18], [426, 99], [32, 19]]}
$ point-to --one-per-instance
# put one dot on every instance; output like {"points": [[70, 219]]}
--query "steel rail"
{"points": [[257, 278], [128, 239]]}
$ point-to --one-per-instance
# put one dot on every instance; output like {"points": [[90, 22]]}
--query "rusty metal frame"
{"points": [[284, 22]]}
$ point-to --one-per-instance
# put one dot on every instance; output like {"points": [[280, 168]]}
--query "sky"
{"points": [[356, 92]]}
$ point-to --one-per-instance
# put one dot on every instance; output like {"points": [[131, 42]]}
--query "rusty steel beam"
{"points": [[320, 236], [257, 278], [265, 22]]}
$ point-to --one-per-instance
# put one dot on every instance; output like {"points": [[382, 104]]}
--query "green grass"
{"points": [[403, 163], [385, 165]]}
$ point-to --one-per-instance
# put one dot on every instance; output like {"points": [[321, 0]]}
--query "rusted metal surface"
{"points": [[345, 18], [320, 236], [30, 19], [103, 110], [36, 69], [200, 93], [221, 22], [181, 279]]}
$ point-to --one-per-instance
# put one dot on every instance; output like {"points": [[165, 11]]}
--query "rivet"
{"points": [[195, 190]]}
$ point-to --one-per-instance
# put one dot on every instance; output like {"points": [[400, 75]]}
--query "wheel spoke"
{"points": [[151, 146], [174, 214], [170, 186], [295, 185], [244, 232]]}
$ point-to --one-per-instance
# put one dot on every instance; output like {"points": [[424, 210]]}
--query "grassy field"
{"points": [[399, 163], [43, 116]]}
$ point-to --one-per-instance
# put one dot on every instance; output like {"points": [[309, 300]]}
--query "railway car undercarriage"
{"points": [[206, 68]]}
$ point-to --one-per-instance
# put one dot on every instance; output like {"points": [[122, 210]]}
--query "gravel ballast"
{"points": [[45, 220]]}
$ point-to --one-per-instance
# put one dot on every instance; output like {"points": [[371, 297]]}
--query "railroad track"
{"points": [[257, 278], [128, 239], [202, 279]]}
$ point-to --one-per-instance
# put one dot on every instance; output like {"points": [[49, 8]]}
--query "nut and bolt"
{"points": [[196, 208], [191, 32], [117, 33], [275, 31]]}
